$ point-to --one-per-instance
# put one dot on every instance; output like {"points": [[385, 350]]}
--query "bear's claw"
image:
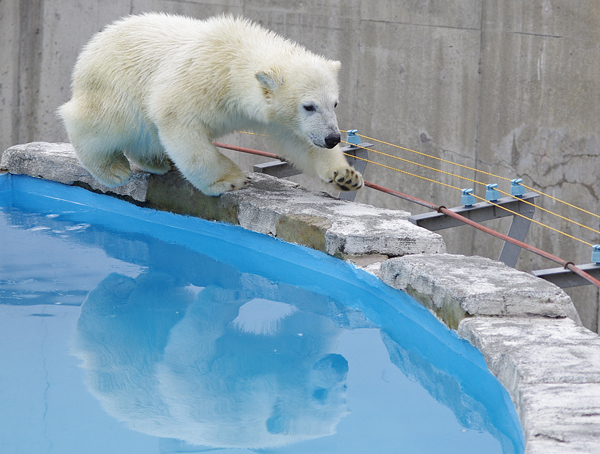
{"points": [[244, 184]]}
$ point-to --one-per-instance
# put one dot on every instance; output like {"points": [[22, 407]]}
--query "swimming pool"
{"points": [[124, 329]]}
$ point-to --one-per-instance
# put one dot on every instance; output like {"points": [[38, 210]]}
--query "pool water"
{"points": [[127, 330]]}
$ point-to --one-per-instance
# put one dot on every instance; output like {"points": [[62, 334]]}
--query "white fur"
{"points": [[157, 88]]}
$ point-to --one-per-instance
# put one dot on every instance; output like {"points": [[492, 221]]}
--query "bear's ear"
{"points": [[269, 80], [335, 65]]}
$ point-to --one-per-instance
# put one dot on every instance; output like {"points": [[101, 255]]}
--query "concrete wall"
{"points": [[505, 86]]}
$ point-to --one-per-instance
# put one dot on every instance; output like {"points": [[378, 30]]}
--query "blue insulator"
{"points": [[516, 189], [467, 198], [491, 193], [353, 137]]}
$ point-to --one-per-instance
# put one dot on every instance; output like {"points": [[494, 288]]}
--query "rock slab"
{"points": [[455, 287]]}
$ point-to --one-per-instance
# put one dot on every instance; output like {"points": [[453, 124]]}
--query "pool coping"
{"points": [[526, 328]]}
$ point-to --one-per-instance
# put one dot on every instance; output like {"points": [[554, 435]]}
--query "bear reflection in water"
{"points": [[212, 366]]}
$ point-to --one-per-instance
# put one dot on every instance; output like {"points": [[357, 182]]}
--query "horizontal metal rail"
{"points": [[565, 278], [479, 212]]}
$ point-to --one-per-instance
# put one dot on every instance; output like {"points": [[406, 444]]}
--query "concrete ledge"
{"points": [[269, 205], [455, 287], [58, 162], [551, 369]]}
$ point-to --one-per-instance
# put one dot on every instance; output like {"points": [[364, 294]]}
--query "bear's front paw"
{"points": [[346, 179]]}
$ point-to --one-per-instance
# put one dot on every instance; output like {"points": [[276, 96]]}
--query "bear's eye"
{"points": [[309, 107], [335, 104]]}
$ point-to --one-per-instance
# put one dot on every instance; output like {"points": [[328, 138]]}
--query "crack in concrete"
{"points": [[451, 27], [541, 35]]}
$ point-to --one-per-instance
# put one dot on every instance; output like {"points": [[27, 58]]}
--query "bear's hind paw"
{"points": [[158, 166], [222, 186], [112, 175]]}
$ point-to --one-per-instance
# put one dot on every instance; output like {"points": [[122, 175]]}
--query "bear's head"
{"points": [[302, 96]]}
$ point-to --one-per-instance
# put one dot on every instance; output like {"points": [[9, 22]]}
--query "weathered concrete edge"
{"points": [[455, 287], [297, 212], [269, 205]]}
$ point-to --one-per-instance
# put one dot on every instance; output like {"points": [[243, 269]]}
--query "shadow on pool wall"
{"points": [[141, 375]]}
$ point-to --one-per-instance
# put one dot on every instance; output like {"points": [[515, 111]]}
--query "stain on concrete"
{"points": [[302, 229]]}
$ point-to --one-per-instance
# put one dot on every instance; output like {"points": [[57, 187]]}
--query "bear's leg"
{"points": [[111, 169], [149, 156], [332, 167], [97, 146], [201, 163], [147, 152], [344, 178], [156, 164]]}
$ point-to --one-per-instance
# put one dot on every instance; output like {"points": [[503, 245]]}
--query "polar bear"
{"points": [[213, 368], [157, 88]]}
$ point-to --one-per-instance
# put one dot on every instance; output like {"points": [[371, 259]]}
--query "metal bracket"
{"points": [[484, 211], [565, 278], [279, 169]]}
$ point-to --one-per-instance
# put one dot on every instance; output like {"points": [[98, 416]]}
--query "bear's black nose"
{"points": [[332, 140]]}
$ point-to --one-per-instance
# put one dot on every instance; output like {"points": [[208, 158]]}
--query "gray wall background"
{"points": [[511, 87]]}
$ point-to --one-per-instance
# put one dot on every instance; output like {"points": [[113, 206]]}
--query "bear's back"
{"points": [[140, 44]]}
